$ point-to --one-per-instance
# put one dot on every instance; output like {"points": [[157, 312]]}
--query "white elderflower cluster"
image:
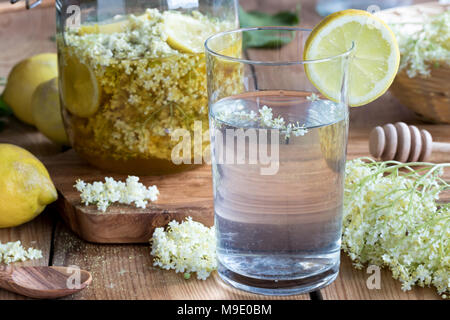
{"points": [[313, 97], [185, 247], [392, 218], [264, 118], [14, 251], [141, 36], [103, 194], [424, 48]]}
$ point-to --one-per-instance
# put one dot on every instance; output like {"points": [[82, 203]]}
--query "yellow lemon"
{"points": [[375, 57], [25, 186], [185, 33], [108, 27], [23, 80], [47, 112], [80, 88]]}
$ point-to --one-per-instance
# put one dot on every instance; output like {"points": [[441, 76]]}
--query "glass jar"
{"points": [[132, 73]]}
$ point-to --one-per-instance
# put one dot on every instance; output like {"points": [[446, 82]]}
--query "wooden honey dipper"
{"points": [[403, 143]]}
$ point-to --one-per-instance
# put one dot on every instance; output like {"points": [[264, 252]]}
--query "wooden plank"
{"points": [[25, 33], [351, 284], [6, 6], [126, 272], [28, 137]]}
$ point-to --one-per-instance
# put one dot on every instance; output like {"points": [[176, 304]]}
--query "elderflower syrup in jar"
{"points": [[278, 157], [131, 74]]}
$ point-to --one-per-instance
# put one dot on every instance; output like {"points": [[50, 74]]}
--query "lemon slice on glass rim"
{"points": [[374, 60], [186, 33], [80, 89]]}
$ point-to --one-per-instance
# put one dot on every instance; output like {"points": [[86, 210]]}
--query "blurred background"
{"points": [[24, 33]]}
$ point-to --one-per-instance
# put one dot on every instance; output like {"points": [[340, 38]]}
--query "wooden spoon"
{"points": [[42, 282]]}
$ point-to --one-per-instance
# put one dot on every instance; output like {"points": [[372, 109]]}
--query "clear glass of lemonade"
{"points": [[131, 73], [278, 154]]}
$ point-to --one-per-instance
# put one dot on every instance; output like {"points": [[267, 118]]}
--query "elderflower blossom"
{"points": [[185, 247], [426, 47], [392, 218], [266, 115], [14, 251], [103, 194], [313, 97], [264, 120]]}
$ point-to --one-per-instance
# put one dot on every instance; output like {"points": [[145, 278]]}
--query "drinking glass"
{"points": [[278, 149]]}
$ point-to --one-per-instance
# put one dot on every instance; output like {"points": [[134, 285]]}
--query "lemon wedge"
{"points": [[108, 27], [80, 89], [374, 62], [185, 33]]}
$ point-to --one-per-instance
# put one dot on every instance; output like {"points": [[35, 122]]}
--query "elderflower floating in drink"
{"points": [[263, 119]]}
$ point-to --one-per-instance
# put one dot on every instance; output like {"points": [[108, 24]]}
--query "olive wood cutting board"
{"points": [[181, 195]]}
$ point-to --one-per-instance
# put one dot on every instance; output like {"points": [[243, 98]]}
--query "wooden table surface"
{"points": [[126, 271]]}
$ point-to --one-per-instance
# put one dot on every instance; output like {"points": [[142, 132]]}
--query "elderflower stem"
{"points": [[392, 218]]}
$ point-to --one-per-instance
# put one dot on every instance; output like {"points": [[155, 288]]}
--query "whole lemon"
{"points": [[25, 186], [47, 112], [23, 80]]}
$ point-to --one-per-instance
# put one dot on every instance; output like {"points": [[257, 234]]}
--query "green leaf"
{"points": [[259, 19], [5, 110], [268, 38]]}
